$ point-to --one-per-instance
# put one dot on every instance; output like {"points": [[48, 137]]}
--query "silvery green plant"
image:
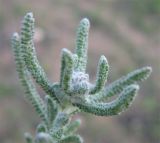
{"points": [[73, 93]]}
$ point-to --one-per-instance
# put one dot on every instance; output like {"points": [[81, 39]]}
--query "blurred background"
{"points": [[127, 32]]}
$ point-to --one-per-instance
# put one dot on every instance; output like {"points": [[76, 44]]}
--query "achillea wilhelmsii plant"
{"points": [[73, 93]]}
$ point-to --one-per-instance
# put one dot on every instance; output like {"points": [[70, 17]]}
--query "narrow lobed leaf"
{"points": [[57, 128], [72, 139], [26, 79], [82, 44], [51, 110], [72, 127], [27, 30], [112, 108], [102, 75], [117, 86], [75, 60], [61, 120], [29, 54], [67, 69]]}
